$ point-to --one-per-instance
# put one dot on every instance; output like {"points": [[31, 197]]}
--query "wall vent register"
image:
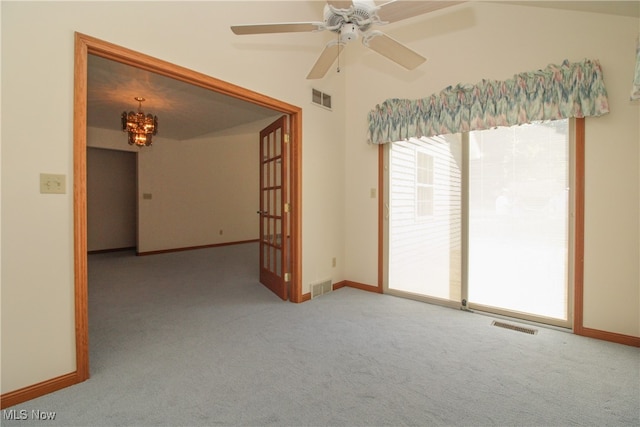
{"points": [[321, 288], [320, 98]]}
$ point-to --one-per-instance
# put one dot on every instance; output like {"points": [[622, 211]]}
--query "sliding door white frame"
{"points": [[464, 303]]}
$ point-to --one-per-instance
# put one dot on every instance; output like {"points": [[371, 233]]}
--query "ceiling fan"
{"points": [[350, 19]]}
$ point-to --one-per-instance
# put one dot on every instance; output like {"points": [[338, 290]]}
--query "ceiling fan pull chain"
{"points": [[338, 68]]}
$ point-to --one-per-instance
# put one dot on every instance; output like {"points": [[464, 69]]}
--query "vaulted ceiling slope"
{"points": [[186, 111]]}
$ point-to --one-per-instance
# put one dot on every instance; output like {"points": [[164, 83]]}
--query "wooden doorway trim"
{"points": [[85, 45]]}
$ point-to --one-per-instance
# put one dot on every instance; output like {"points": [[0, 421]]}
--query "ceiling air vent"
{"points": [[321, 99]]}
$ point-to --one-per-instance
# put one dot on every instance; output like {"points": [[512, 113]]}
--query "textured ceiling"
{"points": [[184, 111]]}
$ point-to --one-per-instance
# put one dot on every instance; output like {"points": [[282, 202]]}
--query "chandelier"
{"points": [[139, 127]]}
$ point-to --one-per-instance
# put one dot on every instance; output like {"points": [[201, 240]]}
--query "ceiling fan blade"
{"points": [[397, 10], [392, 49], [340, 4], [326, 59], [289, 27]]}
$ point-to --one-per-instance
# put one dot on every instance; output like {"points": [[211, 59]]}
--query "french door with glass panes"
{"points": [[274, 208], [481, 220]]}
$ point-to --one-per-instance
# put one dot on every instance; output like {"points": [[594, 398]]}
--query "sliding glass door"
{"points": [[425, 229], [518, 219], [482, 218]]}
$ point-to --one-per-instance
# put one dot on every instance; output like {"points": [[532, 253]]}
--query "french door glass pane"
{"points": [[425, 217], [518, 218]]}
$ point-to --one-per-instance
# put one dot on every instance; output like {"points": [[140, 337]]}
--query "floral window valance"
{"points": [[557, 92]]}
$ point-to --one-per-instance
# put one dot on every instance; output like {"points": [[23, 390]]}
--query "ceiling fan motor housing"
{"points": [[348, 22]]}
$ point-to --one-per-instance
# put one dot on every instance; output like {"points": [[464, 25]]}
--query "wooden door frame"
{"points": [[85, 45]]}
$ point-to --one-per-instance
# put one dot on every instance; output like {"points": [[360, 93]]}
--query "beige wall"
{"points": [[111, 199], [37, 78], [339, 169], [495, 41], [198, 188]]}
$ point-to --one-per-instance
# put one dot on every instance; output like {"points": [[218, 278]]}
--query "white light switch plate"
{"points": [[53, 184]]}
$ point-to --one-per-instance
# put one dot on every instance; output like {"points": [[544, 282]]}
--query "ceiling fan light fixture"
{"points": [[139, 127], [348, 32]]}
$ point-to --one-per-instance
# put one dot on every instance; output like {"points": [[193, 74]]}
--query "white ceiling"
{"points": [[185, 111]]}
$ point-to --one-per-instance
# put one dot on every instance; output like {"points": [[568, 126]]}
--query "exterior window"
{"points": [[424, 184]]}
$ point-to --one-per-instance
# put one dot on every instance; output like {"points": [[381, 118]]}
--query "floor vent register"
{"points": [[523, 329]]}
